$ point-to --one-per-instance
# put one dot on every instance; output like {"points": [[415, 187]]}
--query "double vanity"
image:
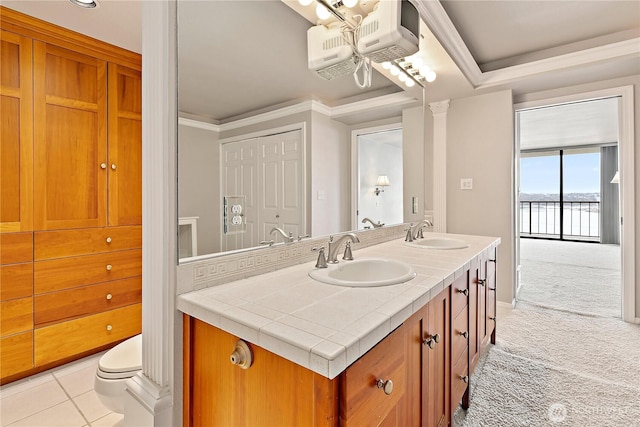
{"points": [[388, 338]]}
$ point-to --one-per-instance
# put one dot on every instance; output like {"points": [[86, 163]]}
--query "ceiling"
{"points": [[228, 67]]}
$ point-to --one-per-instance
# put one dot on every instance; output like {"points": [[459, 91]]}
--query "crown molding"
{"points": [[391, 100], [198, 124]]}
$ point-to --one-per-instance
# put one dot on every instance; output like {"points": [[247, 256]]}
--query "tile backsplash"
{"points": [[216, 270]]}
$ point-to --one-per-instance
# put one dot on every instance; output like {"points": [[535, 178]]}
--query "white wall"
{"points": [[199, 183], [413, 161], [480, 146]]}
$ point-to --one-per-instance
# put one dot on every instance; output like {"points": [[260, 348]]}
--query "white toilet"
{"points": [[114, 368]]}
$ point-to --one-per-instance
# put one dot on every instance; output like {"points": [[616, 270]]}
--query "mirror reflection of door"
{"points": [[268, 172], [380, 185]]}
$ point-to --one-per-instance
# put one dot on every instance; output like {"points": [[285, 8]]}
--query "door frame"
{"points": [[626, 156]]}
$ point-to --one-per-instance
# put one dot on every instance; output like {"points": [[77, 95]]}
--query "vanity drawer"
{"points": [[459, 372], [66, 243], [360, 398], [459, 294], [16, 354], [85, 300], [16, 248], [16, 281], [459, 327], [62, 340], [16, 316], [64, 273]]}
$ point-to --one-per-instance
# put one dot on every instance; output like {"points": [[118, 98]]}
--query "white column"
{"points": [[149, 397], [439, 111]]}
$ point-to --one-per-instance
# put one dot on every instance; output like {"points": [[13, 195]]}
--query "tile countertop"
{"points": [[326, 328]]}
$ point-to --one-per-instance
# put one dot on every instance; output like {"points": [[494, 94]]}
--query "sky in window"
{"points": [[540, 175]]}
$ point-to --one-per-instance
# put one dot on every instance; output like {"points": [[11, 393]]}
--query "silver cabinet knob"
{"points": [[431, 341], [103, 165], [241, 355], [387, 386], [465, 334], [109, 327], [109, 267], [463, 291], [492, 318], [436, 337], [465, 379], [108, 239], [113, 166], [108, 297], [481, 282], [491, 289]]}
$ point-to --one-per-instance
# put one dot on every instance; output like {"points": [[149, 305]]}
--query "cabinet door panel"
{"points": [[16, 354], [64, 243], [16, 281], [16, 315], [16, 133], [70, 140], [16, 248], [439, 361], [125, 146]]}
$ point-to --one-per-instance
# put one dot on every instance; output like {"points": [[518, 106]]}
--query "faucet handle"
{"points": [[303, 237], [267, 242], [321, 262], [348, 255], [419, 234], [409, 236]]}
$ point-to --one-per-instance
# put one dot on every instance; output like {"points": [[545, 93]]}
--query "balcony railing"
{"points": [[580, 219]]}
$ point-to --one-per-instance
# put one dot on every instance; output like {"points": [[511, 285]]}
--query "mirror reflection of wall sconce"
{"points": [[381, 182], [616, 178]]}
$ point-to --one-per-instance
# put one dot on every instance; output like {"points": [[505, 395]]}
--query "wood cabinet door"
{"points": [[16, 133], [70, 158], [125, 146], [474, 303], [439, 361]]}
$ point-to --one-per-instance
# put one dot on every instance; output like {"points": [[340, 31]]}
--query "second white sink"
{"points": [[439, 243], [364, 273]]}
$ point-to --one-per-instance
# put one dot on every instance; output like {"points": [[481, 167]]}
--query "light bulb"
{"points": [[386, 65], [322, 12], [350, 3], [431, 76], [305, 2], [402, 77], [394, 70], [424, 70], [410, 83], [417, 62]]}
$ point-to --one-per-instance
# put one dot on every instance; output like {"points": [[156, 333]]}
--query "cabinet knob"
{"points": [[387, 386], [465, 379], [492, 289], [465, 334], [492, 318], [463, 291], [432, 340], [109, 328], [108, 239], [113, 166], [109, 267], [103, 165], [109, 296], [241, 355], [481, 282]]}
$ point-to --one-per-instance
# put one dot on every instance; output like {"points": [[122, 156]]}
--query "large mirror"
{"points": [[265, 143]]}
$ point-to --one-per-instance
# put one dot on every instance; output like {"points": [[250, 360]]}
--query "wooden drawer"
{"points": [[66, 243], [360, 399], [16, 281], [459, 371], [65, 273], [85, 300], [459, 342], [73, 337], [16, 248], [16, 354], [459, 294], [16, 316]]}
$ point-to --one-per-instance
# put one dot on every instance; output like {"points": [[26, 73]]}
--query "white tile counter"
{"points": [[324, 327]]}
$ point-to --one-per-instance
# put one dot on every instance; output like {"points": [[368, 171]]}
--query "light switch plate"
{"points": [[466, 183]]}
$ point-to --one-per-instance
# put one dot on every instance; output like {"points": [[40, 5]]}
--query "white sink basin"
{"points": [[439, 243], [364, 273]]}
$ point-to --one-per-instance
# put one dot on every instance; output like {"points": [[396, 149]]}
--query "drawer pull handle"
{"points": [[109, 328], [481, 282], [463, 291], [103, 165], [465, 334], [108, 239], [387, 386], [465, 379], [431, 341], [109, 267], [113, 166], [109, 296], [241, 355]]}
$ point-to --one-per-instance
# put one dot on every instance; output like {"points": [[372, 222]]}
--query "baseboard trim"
{"points": [[506, 304]]}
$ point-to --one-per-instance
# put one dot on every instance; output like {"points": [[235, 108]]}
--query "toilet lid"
{"points": [[125, 357]]}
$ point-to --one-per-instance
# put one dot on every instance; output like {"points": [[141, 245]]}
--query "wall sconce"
{"points": [[616, 178], [382, 181]]}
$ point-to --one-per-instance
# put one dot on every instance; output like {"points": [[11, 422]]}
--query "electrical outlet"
{"points": [[466, 184]]}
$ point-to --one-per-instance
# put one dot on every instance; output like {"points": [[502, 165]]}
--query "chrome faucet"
{"points": [[287, 238], [415, 231], [378, 225], [332, 255]]}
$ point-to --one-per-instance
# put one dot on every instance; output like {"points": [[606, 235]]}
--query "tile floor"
{"points": [[62, 396]]}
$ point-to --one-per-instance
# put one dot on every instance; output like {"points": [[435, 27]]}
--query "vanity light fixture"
{"points": [[411, 70], [616, 178], [87, 4], [381, 182]]}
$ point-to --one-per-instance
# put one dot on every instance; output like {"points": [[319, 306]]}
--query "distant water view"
{"points": [[540, 214]]}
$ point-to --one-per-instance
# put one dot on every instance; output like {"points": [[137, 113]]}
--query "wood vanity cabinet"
{"points": [[70, 169]]}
